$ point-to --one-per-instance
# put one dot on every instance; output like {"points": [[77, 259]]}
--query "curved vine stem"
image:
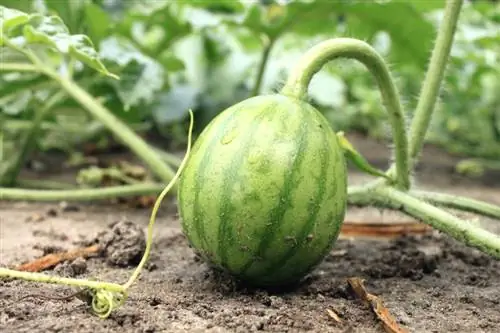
{"points": [[268, 46], [314, 59], [458, 202], [463, 231], [80, 194], [383, 196]]}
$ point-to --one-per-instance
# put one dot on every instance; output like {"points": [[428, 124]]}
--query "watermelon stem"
{"points": [[84, 194], [316, 57], [459, 202], [432, 83], [462, 230], [413, 204], [268, 46]]}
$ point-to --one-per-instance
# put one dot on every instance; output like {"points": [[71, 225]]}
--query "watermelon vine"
{"points": [[263, 192]]}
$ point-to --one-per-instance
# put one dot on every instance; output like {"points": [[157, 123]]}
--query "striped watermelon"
{"points": [[263, 194]]}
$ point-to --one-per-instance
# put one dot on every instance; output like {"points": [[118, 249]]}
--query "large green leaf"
{"points": [[141, 77], [410, 33], [10, 18], [36, 30]]}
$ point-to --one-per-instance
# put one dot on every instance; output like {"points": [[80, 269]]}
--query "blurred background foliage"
{"points": [[207, 55]]}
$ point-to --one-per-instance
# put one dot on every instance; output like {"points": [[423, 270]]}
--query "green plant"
{"points": [[393, 191]]}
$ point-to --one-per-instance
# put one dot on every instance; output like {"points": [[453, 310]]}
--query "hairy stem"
{"points": [[269, 43], [458, 202], [10, 175], [314, 59], [463, 231], [80, 194], [118, 128], [433, 78]]}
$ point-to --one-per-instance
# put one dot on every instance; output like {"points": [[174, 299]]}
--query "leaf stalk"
{"points": [[315, 58]]}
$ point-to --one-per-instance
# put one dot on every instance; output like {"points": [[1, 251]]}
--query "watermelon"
{"points": [[263, 193]]}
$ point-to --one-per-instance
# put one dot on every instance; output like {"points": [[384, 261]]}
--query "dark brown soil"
{"points": [[429, 283]]}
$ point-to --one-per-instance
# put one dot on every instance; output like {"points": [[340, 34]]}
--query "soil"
{"points": [[429, 283]]}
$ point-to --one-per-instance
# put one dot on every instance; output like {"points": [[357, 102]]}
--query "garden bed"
{"points": [[429, 283]]}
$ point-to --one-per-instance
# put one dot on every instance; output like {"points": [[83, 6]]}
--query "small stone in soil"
{"points": [[47, 249], [71, 269], [67, 207], [124, 244], [52, 212]]}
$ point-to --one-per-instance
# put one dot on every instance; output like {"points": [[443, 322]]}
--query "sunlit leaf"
{"points": [[49, 31], [141, 76], [10, 18]]}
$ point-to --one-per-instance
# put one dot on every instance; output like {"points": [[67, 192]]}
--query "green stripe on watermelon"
{"points": [[195, 179], [192, 181], [283, 201], [226, 241], [291, 267]]}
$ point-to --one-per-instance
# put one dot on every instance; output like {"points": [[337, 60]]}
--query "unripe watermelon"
{"points": [[263, 193]]}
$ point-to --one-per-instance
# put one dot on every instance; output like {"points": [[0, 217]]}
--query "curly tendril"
{"points": [[104, 302]]}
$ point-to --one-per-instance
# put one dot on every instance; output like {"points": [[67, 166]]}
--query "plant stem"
{"points": [[80, 194], [458, 202], [461, 230], [157, 204], [433, 78], [117, 127], [10, 175], [269, 43], [18, 67], [314, 59], [43, 184], [40, 277]]}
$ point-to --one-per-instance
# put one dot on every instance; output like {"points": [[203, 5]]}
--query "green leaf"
{"points": [[299, 17], [410, 33], [10, 18], [97, 22], [71, 12], [141, 77], [353, 155], [32, 30]]}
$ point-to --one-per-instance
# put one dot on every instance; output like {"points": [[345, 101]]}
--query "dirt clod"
{"points": [[123, 244], [71, 269]]}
